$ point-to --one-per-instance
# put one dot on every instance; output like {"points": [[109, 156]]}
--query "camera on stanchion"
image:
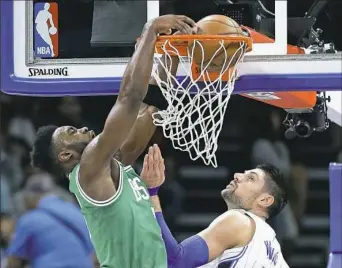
{"points": [[302, 123]]}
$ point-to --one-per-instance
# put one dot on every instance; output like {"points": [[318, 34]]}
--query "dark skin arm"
{"points": [[139, 136], [97, 168], [144, 128]]}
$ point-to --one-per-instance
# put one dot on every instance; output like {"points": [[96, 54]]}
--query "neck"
{"points": [[261, 214], [231, 205], [68, 168]]}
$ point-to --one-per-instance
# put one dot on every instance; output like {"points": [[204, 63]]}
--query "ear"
{"points": [[65, 156], [266, 200]]}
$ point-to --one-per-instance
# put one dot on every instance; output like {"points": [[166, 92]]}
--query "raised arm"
{"points": [[139, 136], [132, 92], [144, 128], [229, 230]]}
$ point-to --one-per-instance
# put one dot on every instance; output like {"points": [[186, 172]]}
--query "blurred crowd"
{"points": [[40, 220], [34, 203]]}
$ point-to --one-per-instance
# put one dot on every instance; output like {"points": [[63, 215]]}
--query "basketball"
{"points": [[53, 30], [216, 25]]}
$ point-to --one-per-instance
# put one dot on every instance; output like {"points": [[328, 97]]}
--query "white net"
{"points": [[196, 107]]}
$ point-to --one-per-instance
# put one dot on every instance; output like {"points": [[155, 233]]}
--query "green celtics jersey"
{"points": [[123, 229]]}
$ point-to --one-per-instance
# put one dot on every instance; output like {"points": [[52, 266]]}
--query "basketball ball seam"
{"points": [[225, 48], [229, 24]]}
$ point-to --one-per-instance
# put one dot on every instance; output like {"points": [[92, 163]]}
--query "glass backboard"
{"points": [[88, 52]]}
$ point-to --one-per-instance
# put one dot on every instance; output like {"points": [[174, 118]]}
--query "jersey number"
{"points": [[139, 191]]}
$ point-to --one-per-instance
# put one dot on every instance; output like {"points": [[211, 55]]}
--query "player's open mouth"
{"points": [[92, 134]]}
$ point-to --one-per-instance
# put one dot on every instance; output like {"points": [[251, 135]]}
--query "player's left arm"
{"points": [[139, 136], [144, 128], [229, 230]]}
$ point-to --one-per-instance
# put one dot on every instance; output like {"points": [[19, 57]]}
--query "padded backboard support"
{"points": [[335, 179]]}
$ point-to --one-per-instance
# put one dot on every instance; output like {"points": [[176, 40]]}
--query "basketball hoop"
{"points": [[197, 103]]}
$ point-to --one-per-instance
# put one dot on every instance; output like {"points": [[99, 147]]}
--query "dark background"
{"points": [[76, 22], [191, 195]]}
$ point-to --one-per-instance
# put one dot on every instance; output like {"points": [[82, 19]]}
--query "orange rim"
{"points": [[177, 45], [181, 42]]}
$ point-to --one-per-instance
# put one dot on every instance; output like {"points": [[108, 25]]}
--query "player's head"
{"points": [[59, 149], [259, 189], [46, 6]]}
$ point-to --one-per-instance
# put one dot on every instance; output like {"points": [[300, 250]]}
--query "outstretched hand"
{"points": [[167, 23], [153, 171]]}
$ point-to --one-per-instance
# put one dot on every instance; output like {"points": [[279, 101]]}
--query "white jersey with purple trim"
{"points": [[263, 251]]}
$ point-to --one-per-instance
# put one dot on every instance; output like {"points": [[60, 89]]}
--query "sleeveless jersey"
{"points": [[263, 251], [123, 229]]}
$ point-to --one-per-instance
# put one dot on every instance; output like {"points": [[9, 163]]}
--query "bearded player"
{"points": [[240, 237], [113, 199]]}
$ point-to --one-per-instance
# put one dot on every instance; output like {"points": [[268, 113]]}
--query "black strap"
{"points": [[155, 97], [68, 226]]}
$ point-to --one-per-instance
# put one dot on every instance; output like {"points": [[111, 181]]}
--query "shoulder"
{"points": [[237, 224], [29, 220], [28, 217], [235, 220], [231, 229], [90, 165]]}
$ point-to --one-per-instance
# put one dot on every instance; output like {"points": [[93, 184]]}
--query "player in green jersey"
{"points": [[113, 199]]}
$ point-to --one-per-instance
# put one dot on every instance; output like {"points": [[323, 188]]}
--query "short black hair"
{"points": [[277, 187], [42, 154]]}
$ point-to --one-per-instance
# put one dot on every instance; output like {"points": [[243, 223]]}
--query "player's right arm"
{"points": [[95, 167], [231, 229], [144, 127]]}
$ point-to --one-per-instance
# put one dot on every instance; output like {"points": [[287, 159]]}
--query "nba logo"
{"points": [[46, 30]]}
